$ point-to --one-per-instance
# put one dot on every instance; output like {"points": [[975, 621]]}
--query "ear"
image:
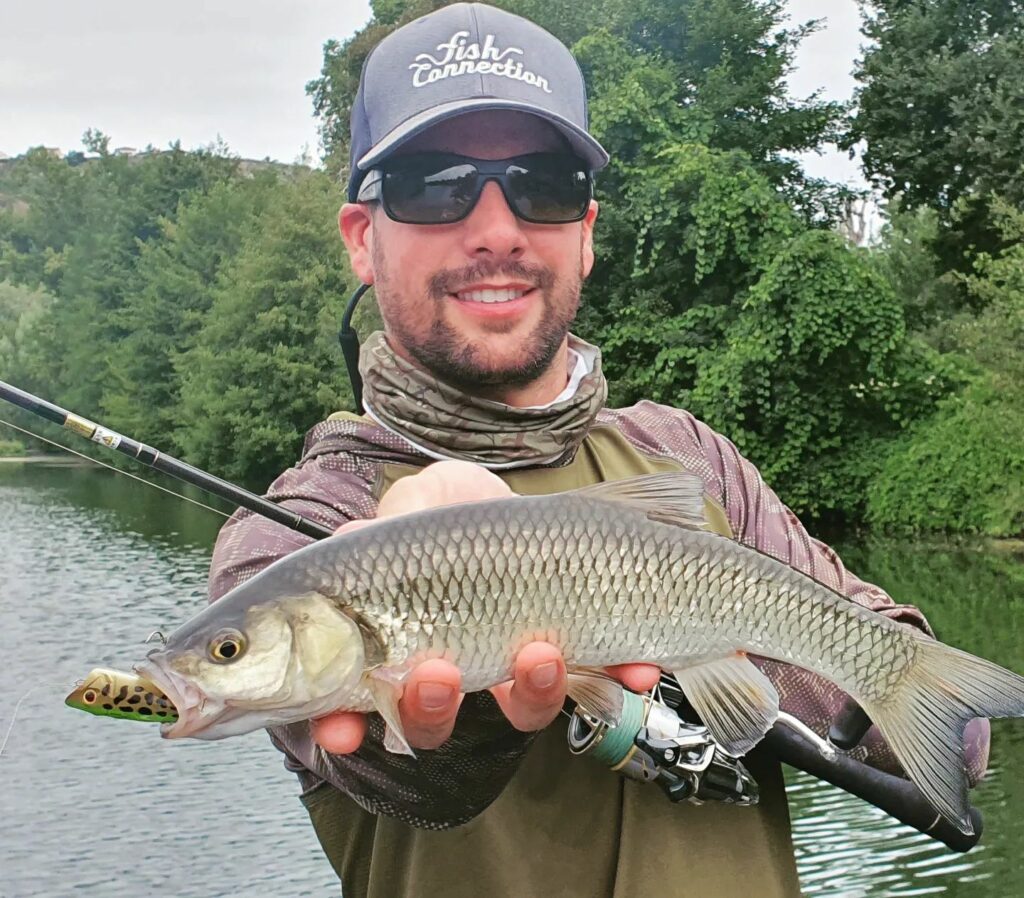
{"points": [[587, 238], [355, 221]]}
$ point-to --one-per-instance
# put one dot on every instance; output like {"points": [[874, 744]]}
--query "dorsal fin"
{"points": [[673, 497]]}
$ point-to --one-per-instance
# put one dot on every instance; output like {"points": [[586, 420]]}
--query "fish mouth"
{"points": [[196, 712]]}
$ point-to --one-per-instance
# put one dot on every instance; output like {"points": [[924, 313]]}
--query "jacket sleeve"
{"points": [[437, 789], [759, 519]]}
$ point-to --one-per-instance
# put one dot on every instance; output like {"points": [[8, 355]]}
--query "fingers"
{"points": [[442, 483], [536, 694], [355, 524], [339, 733], [430, 703], [638, 677], [428, 709]]}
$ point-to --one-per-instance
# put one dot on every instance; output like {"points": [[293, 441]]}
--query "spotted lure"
{"points": [[114, 693], [613, 573]]}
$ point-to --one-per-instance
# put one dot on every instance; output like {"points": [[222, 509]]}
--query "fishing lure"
{"points": [[126, 696]]}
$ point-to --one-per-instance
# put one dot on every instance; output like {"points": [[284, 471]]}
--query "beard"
{"points": [[451, 357]]}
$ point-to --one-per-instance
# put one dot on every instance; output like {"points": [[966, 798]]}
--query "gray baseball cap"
{"points": [[463, 58]]}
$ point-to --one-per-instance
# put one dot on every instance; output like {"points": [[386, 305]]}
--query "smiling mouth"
{"points": [[491, 295]]}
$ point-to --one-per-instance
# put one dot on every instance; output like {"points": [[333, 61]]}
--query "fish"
{"points": [[618, 572], [117, 693]]}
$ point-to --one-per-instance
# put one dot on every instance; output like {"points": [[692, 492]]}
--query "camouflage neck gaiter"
{"points": [[444, 422]]}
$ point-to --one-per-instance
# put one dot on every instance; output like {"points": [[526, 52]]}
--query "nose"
{"points": [[492, 229]]}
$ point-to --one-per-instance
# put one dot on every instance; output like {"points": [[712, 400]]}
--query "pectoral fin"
{"points": [[597, 693], [737, 702], [385, 698]]}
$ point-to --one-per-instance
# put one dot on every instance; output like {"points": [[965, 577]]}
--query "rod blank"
{"points": [[157, 460]]}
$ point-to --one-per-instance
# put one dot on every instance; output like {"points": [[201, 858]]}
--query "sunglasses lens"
{"points": [[548, 190], [428, 194], [438, 189]]}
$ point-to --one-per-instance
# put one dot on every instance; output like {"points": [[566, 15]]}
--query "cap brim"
{"points": [[585, 146]]}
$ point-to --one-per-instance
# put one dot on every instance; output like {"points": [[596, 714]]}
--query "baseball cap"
{"points": [[464, 58]]}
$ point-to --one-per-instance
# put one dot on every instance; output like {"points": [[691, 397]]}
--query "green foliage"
{"points": [[780, 335], [174, 282], [963, 469], [11, 449], [815, 363], [266, 365], [905, 258], [941, 110], [21, 311], [79, 233]]}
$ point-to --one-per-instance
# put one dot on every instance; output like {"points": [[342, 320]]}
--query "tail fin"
{"points": [[924, 721]]}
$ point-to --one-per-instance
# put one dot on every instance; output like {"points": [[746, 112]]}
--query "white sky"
{"points": [[195, 70]]}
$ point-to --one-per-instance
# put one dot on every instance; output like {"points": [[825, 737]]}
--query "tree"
{"points": [[941, 113], [79, 235], [21, 309], [266, 362], [175, 279], [963, 468]]}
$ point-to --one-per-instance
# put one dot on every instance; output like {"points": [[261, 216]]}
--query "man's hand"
{"points": [[432, 692]]}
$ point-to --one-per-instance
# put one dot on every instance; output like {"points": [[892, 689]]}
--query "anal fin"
{"points": [[737, 703]]}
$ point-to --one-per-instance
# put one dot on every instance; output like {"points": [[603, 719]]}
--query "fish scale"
{"points": [[746, 600]]}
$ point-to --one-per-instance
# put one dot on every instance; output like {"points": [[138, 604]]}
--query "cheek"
{"points": [[563, 253], [252, 677], [410, 255]]}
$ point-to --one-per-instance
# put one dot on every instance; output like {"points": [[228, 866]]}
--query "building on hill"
{"points": [[125, 151], [3, 156]]}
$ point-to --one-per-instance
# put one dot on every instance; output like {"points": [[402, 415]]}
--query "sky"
{"points": [[202, 70]]}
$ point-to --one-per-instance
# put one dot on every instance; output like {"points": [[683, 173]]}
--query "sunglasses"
{"points": [[442, 188]]}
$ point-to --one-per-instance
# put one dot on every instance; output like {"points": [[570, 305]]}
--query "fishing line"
{"points": [[155, 486], [17, 707]]}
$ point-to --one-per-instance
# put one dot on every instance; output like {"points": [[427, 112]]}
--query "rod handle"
{"points": [[896, 796]]}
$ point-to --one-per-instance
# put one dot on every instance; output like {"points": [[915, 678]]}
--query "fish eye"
{"points": [[228, 645], [89, 696]]}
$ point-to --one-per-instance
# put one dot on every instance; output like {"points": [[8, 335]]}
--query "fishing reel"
{"points": [[652, 743]]}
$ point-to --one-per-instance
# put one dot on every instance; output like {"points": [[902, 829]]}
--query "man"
{"points": [[470, 211]]}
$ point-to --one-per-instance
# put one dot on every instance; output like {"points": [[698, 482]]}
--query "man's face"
{"points": [[437, 284]]}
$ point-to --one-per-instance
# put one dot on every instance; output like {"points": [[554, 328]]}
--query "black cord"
{"points": [[349, 341]]}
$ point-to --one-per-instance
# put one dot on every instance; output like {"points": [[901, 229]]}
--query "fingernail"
{"points": [[544, 676], [435, 696]]}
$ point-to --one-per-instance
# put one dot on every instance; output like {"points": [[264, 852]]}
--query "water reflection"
{"points": [[92, 562]]}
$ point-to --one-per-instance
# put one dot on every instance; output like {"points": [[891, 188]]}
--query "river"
{"points": [[92, 562]]}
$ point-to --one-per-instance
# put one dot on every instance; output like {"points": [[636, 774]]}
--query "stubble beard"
{"points": [[457, 361]]}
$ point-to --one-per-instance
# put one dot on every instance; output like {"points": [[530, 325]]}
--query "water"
{"points": [[92, 562]]}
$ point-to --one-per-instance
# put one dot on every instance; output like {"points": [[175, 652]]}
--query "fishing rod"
{"points": [[160, 461]]}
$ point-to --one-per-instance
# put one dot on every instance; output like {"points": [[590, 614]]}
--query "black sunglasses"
{"points": [[442, 188]]}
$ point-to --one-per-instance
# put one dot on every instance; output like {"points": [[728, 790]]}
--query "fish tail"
{"points": [[924, 720]]}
